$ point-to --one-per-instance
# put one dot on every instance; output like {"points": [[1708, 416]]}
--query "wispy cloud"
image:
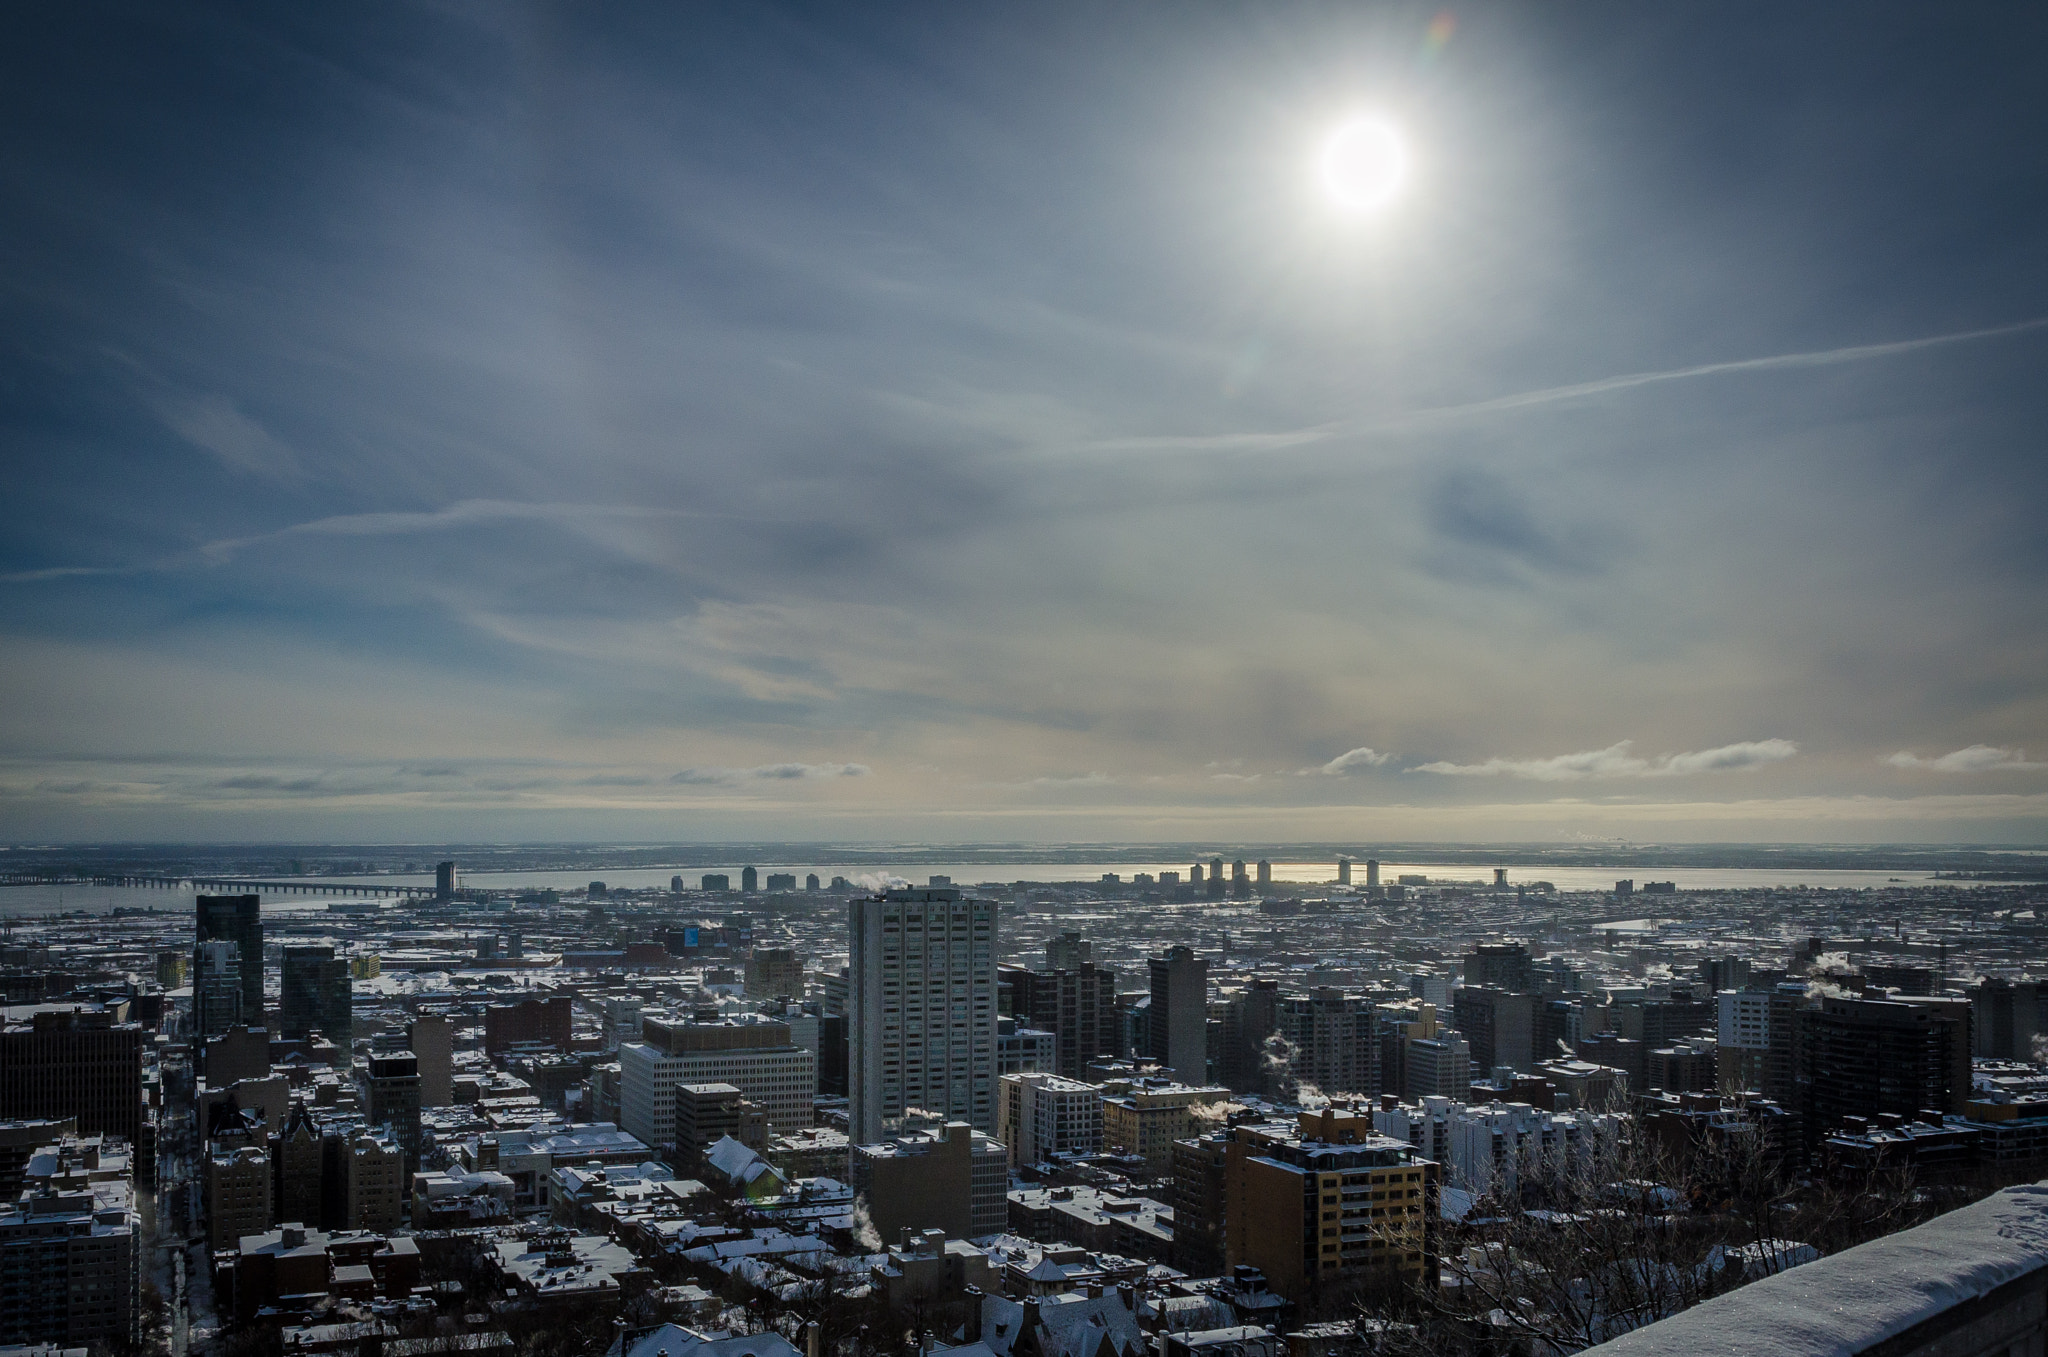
{"points": [[462, 514], [396, 523], [215, 424], [1615, 761], [63, 572], [772, 772], [1348, 764], [1077, 780], [1978, 758]]}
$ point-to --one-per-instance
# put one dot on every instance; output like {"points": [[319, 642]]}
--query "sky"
{"points": [[954, 423]]}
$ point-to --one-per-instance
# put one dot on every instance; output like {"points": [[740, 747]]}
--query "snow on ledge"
{"points": [[1847, 1303]]}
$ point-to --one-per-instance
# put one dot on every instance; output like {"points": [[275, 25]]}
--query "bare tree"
{"points": [[1579, 1248]]}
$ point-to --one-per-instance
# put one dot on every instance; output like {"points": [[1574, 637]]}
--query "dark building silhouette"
{"points": [[1724, 972], [1077, 1006], [432, 1039], [1249, 1020], [1500, 965], [2005, 1019], [394, 1089], [1870, 1057], [547, 1021], [1913, 980], [1179, 1015], [238, 919], [832, 1054], [1500, 1026], [74, 1062], [1334, 1039], [314, 995]]}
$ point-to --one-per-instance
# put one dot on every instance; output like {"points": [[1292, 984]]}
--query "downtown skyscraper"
{"points": [[238, 919], [922, 1005]]}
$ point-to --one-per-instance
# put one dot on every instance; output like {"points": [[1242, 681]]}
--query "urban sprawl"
{"points": [[1206, 1113]]}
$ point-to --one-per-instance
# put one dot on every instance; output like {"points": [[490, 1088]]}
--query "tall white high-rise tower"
{"points": [[922, 1005]]}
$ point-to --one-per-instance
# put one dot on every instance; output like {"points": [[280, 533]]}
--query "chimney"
{"points": [[1128, 1294], [971, 1331], [1095, 1290], [1028, 1324], [814, 1340]]}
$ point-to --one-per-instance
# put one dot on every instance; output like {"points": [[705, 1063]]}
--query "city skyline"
{"points": [[948, 426]]}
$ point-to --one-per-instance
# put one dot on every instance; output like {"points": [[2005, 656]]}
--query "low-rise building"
{"points": [[954, 1179], [1147, 1115], [456, 1199], [759, 1058], [812, 1152], [555, 1267], [928, 1267], [528, 1157], [293, 1269], [1040, 1115], [1095, 1219], [1487, 1147], [70, 1250], [1583, 1084]]}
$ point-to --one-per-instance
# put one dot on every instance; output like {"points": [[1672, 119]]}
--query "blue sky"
{"points": [[975, 422]]}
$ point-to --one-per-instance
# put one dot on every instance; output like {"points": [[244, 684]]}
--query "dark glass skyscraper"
{"points": [[238, 919], [314, 995]]}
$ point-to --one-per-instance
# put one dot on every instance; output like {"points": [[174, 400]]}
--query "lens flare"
{"points": [[1363, 165]]}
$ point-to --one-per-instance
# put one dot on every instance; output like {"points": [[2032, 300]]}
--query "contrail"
{"points": [[1855, 353], [1270, 441]]}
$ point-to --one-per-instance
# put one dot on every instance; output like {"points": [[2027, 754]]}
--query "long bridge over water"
{"points": [[225, 885]]}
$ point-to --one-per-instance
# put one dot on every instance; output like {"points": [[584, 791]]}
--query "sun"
{"points": [[1363, 164]]}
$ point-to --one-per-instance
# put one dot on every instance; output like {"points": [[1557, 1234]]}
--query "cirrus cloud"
{"points": [[1616, 761]]}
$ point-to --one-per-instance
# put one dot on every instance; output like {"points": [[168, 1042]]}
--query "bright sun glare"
{"points": [[1363, 164]]}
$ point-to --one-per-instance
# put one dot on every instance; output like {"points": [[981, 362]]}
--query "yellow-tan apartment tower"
{"points": [[1326, 1202]]}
